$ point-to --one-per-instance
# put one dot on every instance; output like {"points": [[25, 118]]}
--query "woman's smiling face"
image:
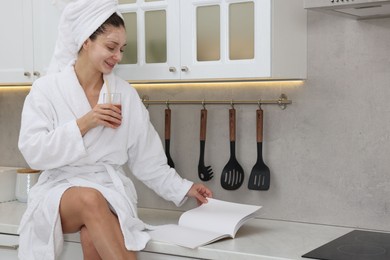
{"points": [[107, 49]]}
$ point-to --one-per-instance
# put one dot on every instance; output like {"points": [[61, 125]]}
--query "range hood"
{"points": [[357, 9]]}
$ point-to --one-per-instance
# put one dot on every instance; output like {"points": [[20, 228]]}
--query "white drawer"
{"points": [[8, 247], [72, 250], [155, 256]]}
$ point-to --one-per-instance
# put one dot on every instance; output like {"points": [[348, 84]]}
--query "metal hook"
{"points": [[259, 103], [282, 98], [232, 104], [167, 103], [203, 104], [145, 99]]}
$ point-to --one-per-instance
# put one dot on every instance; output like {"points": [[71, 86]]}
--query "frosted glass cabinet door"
{"points": [[16, 50], [155, 36], [153, 40], [241, 30], [225, 38], [208, 33]]}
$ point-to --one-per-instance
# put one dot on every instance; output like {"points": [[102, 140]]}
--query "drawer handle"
{"points": [[184, 69], [11, 247]]}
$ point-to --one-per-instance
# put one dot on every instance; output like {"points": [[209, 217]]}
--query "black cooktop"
{"points": [[356, 245]]}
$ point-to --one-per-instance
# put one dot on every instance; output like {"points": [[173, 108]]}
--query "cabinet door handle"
{"points": [[12, 247], [37, 74], [27, 74], [172, 69], [184, 69]]}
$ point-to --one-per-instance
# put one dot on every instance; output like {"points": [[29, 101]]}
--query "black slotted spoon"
{"points": [[259, 178], [168, 136], [205, 173], [232, 175]]}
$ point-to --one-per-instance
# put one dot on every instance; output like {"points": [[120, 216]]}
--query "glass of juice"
{"points": [[115, 99]]}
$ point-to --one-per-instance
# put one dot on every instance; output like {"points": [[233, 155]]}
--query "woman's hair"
{"points": [[114, 20]]}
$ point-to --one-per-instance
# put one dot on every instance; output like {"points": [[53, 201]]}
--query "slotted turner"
{"points": [[168, 136], [259, 178], [232, 174], [205, 173]]}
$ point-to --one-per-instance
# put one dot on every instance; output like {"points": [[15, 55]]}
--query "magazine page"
{"points": [[183, 236], [218, 216], [205, 224]]}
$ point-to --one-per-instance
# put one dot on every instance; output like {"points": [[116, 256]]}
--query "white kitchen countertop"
{"points": [[257, 239]]}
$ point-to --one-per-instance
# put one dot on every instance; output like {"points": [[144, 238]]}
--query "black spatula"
{"points": [[260, 174], [232, 174], [168, 136]]}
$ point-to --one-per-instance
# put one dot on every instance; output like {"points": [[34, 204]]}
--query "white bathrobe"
{"points": [[50, 140]]}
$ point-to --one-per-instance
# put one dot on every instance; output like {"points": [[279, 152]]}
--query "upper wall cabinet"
{"points": [[171, 40], [29, 29]]}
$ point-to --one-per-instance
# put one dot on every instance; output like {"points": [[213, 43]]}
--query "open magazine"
{"points": [[205, 224]]}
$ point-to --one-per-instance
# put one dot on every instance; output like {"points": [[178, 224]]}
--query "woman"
{"points": [[81, 144]]}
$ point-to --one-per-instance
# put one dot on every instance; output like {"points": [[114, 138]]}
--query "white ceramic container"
{"points": [[25, 180], [7, 183]]}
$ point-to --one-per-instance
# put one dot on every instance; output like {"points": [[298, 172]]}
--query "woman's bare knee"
{"points": [[93, 203], [79, 205]]}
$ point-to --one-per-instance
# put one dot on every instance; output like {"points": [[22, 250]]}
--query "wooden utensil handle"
{"points": [[167, 124], [259, 125], [203, 124], [232, 124]]}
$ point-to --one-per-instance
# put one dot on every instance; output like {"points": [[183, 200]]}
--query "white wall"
{"points": [[328, 152]]}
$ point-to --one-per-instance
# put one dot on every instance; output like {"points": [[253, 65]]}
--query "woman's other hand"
{"points": [[200, 193], [102, 114]]}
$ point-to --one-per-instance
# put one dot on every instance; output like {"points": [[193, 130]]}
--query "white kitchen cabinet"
{"points": [[72, 250], [29, 31], [153, 40], [243, 39], [214, 39], [155, 256], [46, 17], [8, 246], [16, 50]]}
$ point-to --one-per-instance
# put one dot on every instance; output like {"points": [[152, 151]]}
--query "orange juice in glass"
{"points": [[114, 99]]}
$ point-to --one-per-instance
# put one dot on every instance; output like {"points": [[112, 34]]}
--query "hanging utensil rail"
{"points": [[282, 102]]}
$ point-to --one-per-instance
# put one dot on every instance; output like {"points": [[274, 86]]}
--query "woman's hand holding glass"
{"points": [[108, 114]]}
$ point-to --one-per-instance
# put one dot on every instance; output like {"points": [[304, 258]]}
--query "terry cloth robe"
{"points": [[50, 140]]}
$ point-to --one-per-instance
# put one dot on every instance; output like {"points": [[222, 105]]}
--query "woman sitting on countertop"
{"points": [[81, 144]]}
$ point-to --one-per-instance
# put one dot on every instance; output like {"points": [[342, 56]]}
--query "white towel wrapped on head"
{"points": [[79, 20]]}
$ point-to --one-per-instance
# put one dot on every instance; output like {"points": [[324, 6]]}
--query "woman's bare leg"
{"points": [[81, 206], [89, 250]]}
